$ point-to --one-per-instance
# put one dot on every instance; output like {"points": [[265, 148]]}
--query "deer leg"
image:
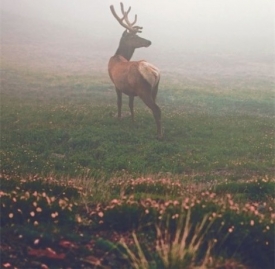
{"points": [[155, 91], [148, 100], [131, 106], [119, 103]]}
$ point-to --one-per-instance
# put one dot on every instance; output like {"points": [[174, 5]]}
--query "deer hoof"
{"points": [[160, 135]]}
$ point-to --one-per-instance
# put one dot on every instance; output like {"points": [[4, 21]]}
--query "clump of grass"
{"points": [[183, 248], [136, 260], [34, 201], [253, 190], [49, 185], [163, 187], [186, 247], [237, 229]]}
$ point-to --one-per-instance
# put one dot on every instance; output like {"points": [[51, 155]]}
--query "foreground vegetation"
{"points": [[55, 224], [80, 189]]}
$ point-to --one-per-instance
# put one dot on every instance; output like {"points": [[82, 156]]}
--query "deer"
{"points": [[134, 78]]}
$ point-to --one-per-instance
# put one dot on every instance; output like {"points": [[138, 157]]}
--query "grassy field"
{"points": [[66, 125], [81, 189]]}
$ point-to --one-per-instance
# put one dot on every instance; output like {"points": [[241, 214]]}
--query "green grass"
{"points": [[65, 125], [80, 188]]}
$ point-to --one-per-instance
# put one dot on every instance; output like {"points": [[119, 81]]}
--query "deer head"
{"points": [[129, 40]]}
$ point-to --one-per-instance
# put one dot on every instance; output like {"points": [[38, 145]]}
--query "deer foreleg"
{"points": [[119, 103], [157, 115], [131, 106]]}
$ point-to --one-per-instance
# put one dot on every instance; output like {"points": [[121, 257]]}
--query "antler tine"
{"points": [[129, 26], [122, 10], [126, 15], [137, 28]]}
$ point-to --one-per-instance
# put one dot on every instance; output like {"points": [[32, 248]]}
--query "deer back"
{"points": [[131, 77]]}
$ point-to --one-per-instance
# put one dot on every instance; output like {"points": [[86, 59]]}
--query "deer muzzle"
{"points": [[148, 43]]}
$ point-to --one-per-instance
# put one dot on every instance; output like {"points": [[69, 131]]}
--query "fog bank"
{"points": [[182, 32]]}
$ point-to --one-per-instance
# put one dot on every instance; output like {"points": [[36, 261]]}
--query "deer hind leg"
{"points": [[131, 106], [119, 103], [148, 100], [155, 91]]}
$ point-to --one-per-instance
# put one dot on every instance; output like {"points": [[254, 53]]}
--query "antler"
{"points": [[128, 25]]}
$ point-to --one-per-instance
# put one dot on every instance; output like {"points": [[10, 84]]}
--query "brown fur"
{"points": [[128, 79]]}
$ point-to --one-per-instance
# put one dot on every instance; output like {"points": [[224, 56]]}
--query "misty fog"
{"points": [[200, 37]]}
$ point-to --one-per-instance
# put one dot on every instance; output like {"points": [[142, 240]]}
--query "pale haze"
{"points": [[179, 30]]}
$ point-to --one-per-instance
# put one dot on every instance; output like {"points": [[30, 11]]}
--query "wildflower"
{"points": [[35, 223], [62, 203], [100, 214], [39, 209], [212, 195], [11, 215], [252, 222], [114, 201], [36, 241], [54, 215]]}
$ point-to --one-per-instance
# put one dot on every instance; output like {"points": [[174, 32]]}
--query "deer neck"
{"points": [[127, 53]]}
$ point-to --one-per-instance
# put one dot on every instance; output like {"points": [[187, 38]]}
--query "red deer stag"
{"points": [[134, 78]]}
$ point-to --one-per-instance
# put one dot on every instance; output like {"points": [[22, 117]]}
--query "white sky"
{"points": [[178, 22]]}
